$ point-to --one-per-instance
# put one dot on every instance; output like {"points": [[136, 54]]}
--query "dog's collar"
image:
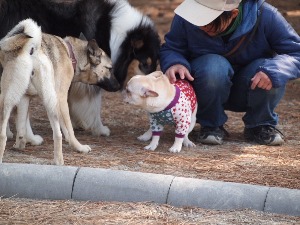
{"points": [[175, 99], [71, 54]]}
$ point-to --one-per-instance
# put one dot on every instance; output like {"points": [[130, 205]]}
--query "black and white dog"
{"points": [[123, 32]]}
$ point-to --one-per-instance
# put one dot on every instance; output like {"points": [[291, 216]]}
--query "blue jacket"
{"points": [[274, 39]]}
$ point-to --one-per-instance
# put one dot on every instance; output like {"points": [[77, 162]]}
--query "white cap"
{"points": [[202, 12]]}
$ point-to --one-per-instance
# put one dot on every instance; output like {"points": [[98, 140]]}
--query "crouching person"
{"points": [[238, 55]]}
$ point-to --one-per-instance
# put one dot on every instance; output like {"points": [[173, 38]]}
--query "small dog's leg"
{"points": [[146, 136], [153, 144], [187, 142], [176, 147]]}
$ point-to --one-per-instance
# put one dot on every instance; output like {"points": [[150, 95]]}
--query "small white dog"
{"points": [[167, 104]]}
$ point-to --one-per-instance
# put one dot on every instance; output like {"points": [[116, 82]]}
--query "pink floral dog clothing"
{"points": [[178, 112]]}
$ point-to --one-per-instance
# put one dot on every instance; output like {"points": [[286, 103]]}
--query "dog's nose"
{"points": [[115, 85], [109, 84]]}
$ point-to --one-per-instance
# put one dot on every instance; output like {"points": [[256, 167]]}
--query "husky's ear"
{"points": [[82, 37], [94, 52]]}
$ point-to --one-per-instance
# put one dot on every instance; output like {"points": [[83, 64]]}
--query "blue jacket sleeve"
{"points": [[285, 65], [174, 50]]}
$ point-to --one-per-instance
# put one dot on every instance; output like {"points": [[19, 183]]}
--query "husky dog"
{"points": [[120, 30], [35, 63]]}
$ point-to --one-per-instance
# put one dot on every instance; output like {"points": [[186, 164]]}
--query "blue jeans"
{"points": [[219, 86]]}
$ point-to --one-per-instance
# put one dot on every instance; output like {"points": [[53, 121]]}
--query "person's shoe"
{"points": [[264, 135], [212, 135]]}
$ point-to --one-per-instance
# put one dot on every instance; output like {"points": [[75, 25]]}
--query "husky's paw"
{"points": [[59, 161], [20, 143]]}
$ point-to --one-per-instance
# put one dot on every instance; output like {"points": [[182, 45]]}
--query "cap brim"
{"points": [[196, 13]]}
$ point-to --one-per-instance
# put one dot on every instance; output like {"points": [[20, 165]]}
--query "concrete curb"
{"points": [[95, 184]]}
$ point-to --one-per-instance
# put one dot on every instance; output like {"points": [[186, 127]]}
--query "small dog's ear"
{"points": [[94, 52], [149, 93], [157, 74]]}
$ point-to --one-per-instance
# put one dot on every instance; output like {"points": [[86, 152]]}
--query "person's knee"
{"points": [[212, 70], [275, 93]]}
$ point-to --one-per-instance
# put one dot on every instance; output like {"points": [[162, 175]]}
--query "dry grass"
{"points": [[24, 211], [235, 160]]}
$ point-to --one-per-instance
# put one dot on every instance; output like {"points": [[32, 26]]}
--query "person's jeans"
{"points": [[219, 86]]}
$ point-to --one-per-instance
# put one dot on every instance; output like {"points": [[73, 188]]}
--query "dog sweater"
{"points": [[178, 112]]}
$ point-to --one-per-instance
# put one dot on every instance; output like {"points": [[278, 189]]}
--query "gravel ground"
{"points": [[235, 161]]}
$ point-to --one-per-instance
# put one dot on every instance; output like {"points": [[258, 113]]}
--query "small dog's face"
{"points": [[150, 92]]}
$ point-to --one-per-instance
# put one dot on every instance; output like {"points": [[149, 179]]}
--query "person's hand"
{"points": [[261, 80], [178, 69]]}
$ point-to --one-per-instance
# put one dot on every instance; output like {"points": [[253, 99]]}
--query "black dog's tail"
{"points": [[26, 34]]}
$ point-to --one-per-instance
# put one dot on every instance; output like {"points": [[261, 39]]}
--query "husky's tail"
{"points": [[17, 57], [26, 35]]}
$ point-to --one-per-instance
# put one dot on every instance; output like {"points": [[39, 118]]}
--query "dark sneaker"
{"points": [[212, 135], [264, 135]]}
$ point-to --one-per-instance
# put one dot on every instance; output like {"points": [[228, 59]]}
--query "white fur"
{"points": [[85, 110], [125, 18]]}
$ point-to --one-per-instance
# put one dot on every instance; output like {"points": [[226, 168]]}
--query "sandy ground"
{"points": [[235, 161]]}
